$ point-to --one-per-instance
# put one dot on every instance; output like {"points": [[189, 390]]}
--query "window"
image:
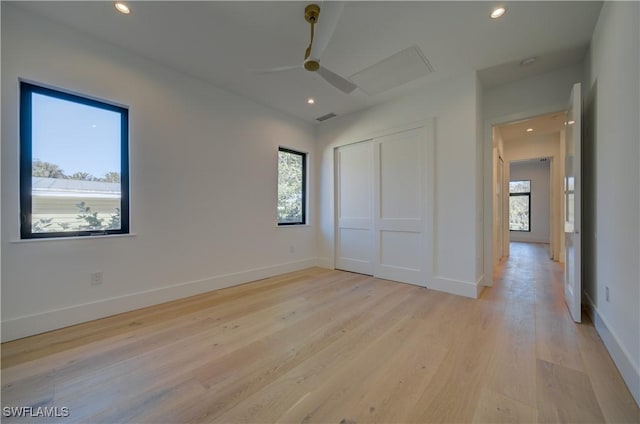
{"points": [[292, 187], [74, 165], [520, 205]]}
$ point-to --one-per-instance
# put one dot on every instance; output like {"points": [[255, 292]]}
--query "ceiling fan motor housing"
{"points": [[311, 13], [311, 65]]}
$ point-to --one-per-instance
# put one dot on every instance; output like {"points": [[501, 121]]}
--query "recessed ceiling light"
{"points": [[310, 100], [122, 7], [497, 12], [528, 61], [529, 129], [571, 122]]}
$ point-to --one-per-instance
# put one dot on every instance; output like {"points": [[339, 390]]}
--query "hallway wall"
{"points": [[539, 175], [544, 146], [614, 242]]}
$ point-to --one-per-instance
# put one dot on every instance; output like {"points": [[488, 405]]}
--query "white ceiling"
{"points": [[541, 125], [222, 42]]}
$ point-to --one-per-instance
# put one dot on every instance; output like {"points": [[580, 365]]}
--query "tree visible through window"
{"points": [[292, 174], [520, 205], [73, 165]]}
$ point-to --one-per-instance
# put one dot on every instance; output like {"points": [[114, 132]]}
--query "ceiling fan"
{"points": [[331, 12]]}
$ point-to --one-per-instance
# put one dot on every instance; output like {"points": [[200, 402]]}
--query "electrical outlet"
{"points": [[96, 278], [606, 293]]}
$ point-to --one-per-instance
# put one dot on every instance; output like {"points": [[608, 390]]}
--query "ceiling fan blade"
{"points": [[330, 12], [336, 80], [274, 70]]}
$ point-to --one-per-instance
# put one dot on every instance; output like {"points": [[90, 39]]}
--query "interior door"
{"points": [[354, 208], [572, 274], [500, 208], [400, 187]]}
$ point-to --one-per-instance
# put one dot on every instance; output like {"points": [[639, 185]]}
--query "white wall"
{"points": [[479, 167], [535, 147], [539, 173], [614, 68], [534, 95], [518, 100], [203, 186], [454, 107]]}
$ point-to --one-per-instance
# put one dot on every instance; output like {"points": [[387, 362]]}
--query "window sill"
{"points": [[293, 226], [107, 236]]}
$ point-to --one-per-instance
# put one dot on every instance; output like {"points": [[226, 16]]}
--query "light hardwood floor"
{"points": [[331, 347]]}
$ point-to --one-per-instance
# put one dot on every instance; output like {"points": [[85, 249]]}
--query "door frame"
{"points": [[488, 164], [500, 222]]}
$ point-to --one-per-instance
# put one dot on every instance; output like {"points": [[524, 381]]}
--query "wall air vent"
{"points": [[325, 117]]}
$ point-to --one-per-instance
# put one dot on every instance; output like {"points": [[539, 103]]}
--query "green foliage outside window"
{"points": [[291, 187]]}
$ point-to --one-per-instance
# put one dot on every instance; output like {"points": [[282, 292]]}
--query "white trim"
{"points": [[538, 240], [621, 357], [51, 320], [460, 288]]}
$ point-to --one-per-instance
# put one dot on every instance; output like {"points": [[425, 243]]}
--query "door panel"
{"points": [[354, 206], [400, 249], [572, 187], [400, 176], [400, 193]]}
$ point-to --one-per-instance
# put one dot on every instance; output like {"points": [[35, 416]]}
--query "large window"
{"points": [[292, 187], [74, 165], [520, 205]]}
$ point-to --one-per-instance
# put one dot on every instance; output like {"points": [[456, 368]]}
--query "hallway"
{"points": [[568, 375]]}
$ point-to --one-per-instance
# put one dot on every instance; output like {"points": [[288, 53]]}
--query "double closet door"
{"points": [[383, 210]]}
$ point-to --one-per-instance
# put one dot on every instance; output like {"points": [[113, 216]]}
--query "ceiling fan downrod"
{"points": [[311, 14]]}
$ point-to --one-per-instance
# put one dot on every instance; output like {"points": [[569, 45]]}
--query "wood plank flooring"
{"points": [[330, 347]]}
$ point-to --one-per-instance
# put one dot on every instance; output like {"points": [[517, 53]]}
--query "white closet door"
{"points": [[354, 208], [400, 191]]}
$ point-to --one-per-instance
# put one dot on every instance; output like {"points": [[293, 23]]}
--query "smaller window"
{"points": [[292, 187], [520, 205]]}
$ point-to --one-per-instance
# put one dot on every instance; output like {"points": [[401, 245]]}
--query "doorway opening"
{"points": [[528, 169]]}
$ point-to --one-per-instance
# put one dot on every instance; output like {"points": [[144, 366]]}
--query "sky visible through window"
{"points": [[69, 133]]}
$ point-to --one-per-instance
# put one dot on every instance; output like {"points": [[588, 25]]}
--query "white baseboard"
{"points": [[622, 359], [480, 285], [29, 325], [460, 288], [523, 239]]}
